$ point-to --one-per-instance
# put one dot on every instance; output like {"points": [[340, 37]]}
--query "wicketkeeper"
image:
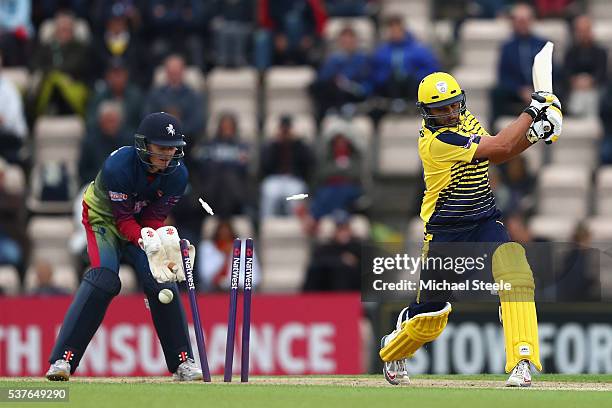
{"points": [[124, 210], [459, 206]]}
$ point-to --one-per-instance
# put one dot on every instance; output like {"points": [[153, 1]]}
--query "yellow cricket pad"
{"points": [[415, 332], [518, 310]]}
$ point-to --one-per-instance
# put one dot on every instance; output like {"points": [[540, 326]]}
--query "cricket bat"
{"points": [[541, 72]]}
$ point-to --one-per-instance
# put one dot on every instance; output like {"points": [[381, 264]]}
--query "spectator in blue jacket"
{"points": [[514, 82], [343, 77], [401, 62]]}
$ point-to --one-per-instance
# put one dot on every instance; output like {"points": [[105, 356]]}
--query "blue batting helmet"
{"points": [[160, 129]]}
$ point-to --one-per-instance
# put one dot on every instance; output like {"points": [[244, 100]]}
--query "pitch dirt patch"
{"points": [[427, 383], [356, 382]]}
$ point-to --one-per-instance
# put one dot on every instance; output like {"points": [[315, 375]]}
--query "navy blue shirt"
{"points": [[128, 196]]}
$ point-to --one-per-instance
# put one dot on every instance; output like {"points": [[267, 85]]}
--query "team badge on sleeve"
{"points": [[114, 196], [471, 139]]}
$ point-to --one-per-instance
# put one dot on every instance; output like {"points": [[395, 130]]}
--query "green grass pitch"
{"points": [[557, 391]]}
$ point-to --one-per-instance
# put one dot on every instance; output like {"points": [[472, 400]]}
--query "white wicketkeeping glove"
{"points": [[156, 255], [170, 241]]}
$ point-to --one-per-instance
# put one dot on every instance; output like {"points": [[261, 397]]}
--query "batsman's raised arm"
{"points": [[542, 119]]}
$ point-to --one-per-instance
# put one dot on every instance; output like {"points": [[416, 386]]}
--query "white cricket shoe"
{"points": [[395, 372], [521, 375], [59, 371], [188, 371]]}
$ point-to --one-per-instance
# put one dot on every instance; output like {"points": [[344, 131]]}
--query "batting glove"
{"points": [[540, 101], [548, 127], [545, 109]]}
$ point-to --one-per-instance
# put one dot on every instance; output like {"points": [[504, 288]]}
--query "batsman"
{"points": [[459, 206], [124, 210]]}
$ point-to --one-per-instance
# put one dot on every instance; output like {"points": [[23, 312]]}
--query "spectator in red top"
{"points": [[16, 31], [554, 8], [339, 178], [290, 32]]}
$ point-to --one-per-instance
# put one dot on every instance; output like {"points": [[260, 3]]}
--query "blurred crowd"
{"points": [[97, 59]]}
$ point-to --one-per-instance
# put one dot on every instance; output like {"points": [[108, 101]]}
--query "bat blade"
{"points": [[542, 69]]}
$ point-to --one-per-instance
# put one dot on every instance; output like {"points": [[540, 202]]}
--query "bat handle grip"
{"points": [[538, 97]]}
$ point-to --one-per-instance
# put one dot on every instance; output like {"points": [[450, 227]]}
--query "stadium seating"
{"points": [[19, 76], [601, 228], [64, 277], [9, 280], [58, 138], [477, 83], [603, 191], [481, 39], [241, 224], [480, 43], [286, 90], [247, 126], [361, 128], [56, 141], [564, 191], [360, 225], [602, 30], [413, 8], [535, 155], [398, 151], [304, 126], [284, 254], [129, 282], [579, 143], [423, 29], [232, 90], [82, 31], [363, 27], [49, 237], [600, 9], [193, 78], [14, 180], [553, 227], [415, 230]]}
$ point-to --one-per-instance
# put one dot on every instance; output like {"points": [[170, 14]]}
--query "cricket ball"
{"points": [[165, 296]]}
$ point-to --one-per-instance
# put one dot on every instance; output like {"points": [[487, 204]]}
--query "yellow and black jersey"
{"points": [[457, 190]]}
